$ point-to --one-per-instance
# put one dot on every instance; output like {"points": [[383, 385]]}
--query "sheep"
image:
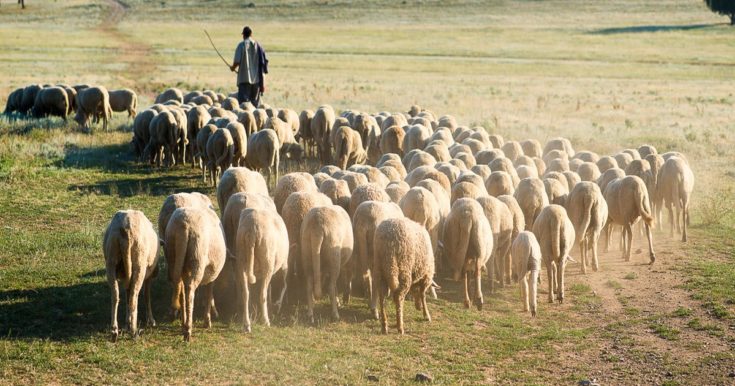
{"points": [[162, 141], [201, 153], [170, 94], [588, 171], [230, 104], [263, 152], [396, 190], [321, 125], [526, 254], [289, 183], [558, 165], [447, 121], [421, 206], [196, 119], [366, 219], [28, 98], [338, 191], [504, 164], [623, 159], [572, 179], [402, 263], [606, 162], [326, 244], [501, 223], [468, 245], [262, 252], [497, 140], [555, 154], [633, 153], [558, 176], [587, 210], [499, 183], [220, 152], [179, 200], [14, 102], [670, 154], [559, 144], [532, 198], [348, 149], [416, 137], [239, 179], [181, 134], [366, 192], [524, 171], [424, 172], [295, 208], [354, 180], [124, 100], [50, 101], [130, 246], [247, 119], [608, 176], [675, 185], [531, 148], [443, 135], [236, 204], [191, 95], [394, 120], [391, 140], [646, 150], [512, 150], [519, 222], [556, 191], [449, 170], [466, 189], [555, 234], [627, 201], [655, 161], [240, 143], [195, 253], [439, 151], [373, 174], [320, 178], [93, 102], [586, 156]]}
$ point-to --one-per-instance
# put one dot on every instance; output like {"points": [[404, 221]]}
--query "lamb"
{"points": [[124, 100], [526, 254], [627, 201], [220, 152], [130, 246], [326, 244], [239, 179], [403, 264], [532, 198], [587, 211], [501, 223], [162, 141], [50, 101], [366, 219], [675, 185], [263, 152], [240, 143], [292, 182], [262, 253], [468, 245], [93, 102], [195, 254], [170, 94], [555, 234], [366, 192], [338, 191]]}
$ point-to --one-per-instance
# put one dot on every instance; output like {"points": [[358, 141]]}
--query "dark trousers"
{"points": [[247, 92]]}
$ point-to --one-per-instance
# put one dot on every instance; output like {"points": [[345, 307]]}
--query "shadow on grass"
{"points": [[651, 28], [114, 157], [153, 186]]}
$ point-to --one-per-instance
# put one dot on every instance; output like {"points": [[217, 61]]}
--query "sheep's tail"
{"points": [[249, 254], [461, 244], [588, 213], [223, 157], [558, 242], [126, 246], [316, 262], [644, 208], [176, 251]]}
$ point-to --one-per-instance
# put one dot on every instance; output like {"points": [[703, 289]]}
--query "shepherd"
{"points": [[251, 65]]}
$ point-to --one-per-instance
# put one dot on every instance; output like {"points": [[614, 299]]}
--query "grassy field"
{"points": [[608, 75]]}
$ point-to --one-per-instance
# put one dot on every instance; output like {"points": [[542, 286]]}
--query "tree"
{"points": [[723, 7]]}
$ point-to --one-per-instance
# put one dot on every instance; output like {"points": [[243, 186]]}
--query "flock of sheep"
{"points": [[400, 198], [39, 101]]}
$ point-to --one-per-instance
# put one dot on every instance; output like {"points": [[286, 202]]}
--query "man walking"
{"points": [[251, 65]]}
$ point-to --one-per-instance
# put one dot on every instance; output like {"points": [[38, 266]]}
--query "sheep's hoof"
{"points": [[151, 322], [375, 314], [335, 317], [208, 323], [187, 336], [478, 304], [113, 336], [400, 331], [466, 304], [653, 258], [246, 329], [533, 313]]}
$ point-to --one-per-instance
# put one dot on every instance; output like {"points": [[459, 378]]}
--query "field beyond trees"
{"points": [[608, 75]]}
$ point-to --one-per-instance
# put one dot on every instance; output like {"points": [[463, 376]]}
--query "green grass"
{"points": [[630, 276], [608, 75], [682, 312]]}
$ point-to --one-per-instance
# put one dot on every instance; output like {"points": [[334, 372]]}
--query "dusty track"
{"points": [[136, 55]]}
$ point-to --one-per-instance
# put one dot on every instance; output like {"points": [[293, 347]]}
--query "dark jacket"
{"points": [[262, 65]]}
